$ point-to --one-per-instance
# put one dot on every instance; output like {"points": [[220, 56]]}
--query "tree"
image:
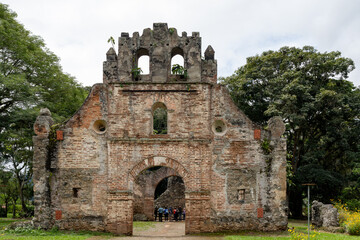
{"points": [[30, 74], [5, 189], [320, 109], [18, 152], [30, 78]]}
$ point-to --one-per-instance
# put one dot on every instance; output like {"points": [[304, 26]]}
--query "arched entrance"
{"points": [[121, 202], [157, 186], [154, 170], [154, 188]]}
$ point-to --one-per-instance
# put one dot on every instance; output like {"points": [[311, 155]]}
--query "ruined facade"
{"points": [[85, 170]]}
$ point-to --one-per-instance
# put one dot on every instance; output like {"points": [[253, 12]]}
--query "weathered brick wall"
{"points": [[230, 182], [130, 110], [81, 165]]}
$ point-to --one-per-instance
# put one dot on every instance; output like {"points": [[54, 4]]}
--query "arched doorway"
{"points": [[149, 185], [154, 188], [121, 201], [158, 179]]}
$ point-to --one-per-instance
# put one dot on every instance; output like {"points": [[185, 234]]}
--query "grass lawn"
{"points": [[143, 225], [34, 234], [31, 234], [255, 238], [6, 221], [322, 236], [300, 226], [64, 237]]}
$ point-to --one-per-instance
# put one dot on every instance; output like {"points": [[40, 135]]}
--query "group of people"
{"points": [[169, 214]]}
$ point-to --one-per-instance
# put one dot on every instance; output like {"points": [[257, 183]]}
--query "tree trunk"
{"points": [[21, 194], [23, 204], [6, 206], [14, 210]]}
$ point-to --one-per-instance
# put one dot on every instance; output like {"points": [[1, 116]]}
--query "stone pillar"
{"points": [[120, 212], [277, 179], [43, 215], [197, 206], [149, 207]]}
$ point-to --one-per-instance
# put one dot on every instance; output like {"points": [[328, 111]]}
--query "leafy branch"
{"points": [[136, 71], [112, 41], [177, 69]]}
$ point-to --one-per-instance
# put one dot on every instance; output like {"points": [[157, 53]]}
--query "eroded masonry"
{"points": [[102, 166]]}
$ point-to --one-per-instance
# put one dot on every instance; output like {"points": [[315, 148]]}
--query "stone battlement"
{"points": [[161, 44]]}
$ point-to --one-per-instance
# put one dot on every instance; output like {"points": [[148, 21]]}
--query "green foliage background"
{"points": [[320, 108], [30, 79]]}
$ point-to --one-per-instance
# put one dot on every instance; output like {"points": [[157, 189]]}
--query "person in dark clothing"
{"points": [[161, 211], [171, 213], [166, 214], [156, 212], [180, 213], [176, 214]]}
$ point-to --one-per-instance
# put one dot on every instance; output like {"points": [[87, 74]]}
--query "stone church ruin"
{"points": [[97, 169]]}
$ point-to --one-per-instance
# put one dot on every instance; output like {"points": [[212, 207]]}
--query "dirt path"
{"points": [[163, 230]]}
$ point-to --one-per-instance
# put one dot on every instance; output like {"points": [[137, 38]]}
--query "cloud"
{"points": [[77, 31]]}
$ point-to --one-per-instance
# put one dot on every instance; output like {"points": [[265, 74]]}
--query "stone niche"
{"points": [[244, 191], [95, 175]]}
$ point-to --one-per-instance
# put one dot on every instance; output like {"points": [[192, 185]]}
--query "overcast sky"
{"points": [[77, 30]]}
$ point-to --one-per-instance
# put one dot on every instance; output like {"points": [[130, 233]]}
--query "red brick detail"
{"points": [[260, 212], [59, 135], [257, 134], [58, 214]]}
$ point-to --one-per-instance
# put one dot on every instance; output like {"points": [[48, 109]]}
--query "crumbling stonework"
{"points": [[174, 195], [41, 171], [324, 215], [85, 177]]}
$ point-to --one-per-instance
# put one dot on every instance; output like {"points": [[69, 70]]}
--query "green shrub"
{"points": [[3, 212], [353, 204], [18, 209], [348, 219], [353, 224]]}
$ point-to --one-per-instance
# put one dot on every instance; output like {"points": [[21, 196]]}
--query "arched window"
{"points": [[177, 61], [159, 112], [142, 64]]}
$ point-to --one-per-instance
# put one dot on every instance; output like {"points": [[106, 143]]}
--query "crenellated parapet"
{"points": [[161, 44]]}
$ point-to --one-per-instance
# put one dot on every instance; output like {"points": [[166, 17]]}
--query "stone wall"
{"points": [[90, 179], [174, 195], [324, 215]]}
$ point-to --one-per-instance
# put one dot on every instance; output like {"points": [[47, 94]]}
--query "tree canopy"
{"points": [[30, 78], [319, 106]]}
